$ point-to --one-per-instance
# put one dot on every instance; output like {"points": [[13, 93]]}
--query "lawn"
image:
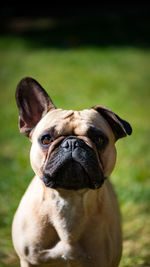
{"points": [[80, 77]]}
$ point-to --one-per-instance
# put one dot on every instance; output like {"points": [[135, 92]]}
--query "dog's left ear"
{"points": [[120, 127], [33, 103]]}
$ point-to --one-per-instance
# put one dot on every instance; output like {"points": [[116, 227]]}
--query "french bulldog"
{"points": [[69, 216]]}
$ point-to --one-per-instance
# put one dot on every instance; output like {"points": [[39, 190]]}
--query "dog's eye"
{"points": [[100, 140], [46, 139]]}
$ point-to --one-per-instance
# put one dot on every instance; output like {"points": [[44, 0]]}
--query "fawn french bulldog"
{"points": [[69, 214]]}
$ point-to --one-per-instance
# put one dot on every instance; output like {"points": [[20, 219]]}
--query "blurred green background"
{"points": [[81, 61]]}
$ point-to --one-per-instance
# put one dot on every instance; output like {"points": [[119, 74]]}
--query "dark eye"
{"points": [[46, 139], [100, 141]]}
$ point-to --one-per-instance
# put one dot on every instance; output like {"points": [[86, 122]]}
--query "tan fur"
{"points": [[69, 228]]}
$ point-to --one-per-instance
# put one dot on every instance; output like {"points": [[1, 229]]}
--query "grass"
{"points": [[78, 78]]}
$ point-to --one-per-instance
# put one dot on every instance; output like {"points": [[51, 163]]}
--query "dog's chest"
{"points": [[66, 211]]}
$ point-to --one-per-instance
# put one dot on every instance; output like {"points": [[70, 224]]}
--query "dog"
{"points": [[69, 214]]}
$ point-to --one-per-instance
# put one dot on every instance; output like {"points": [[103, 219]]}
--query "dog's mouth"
{"points": [[73, 165], [71, 175]]}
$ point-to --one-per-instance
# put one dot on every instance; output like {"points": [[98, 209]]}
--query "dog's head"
{"points": [[70, 149]]}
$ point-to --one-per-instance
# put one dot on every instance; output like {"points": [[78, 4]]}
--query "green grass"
{"points": [[77, 78]]}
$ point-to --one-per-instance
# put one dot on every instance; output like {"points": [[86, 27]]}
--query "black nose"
{"points": [[70, 144]]}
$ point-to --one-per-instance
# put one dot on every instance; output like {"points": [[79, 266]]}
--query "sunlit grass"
{"points": [[81, 78]]}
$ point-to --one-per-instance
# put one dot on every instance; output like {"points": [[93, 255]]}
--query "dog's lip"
{"points": [[49, 176], [54, 181]]}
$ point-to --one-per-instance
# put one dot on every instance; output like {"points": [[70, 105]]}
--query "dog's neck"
{"points": [[70, 207]]}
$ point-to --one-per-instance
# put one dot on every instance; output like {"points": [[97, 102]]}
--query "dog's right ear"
{"points": [[33, 103]]}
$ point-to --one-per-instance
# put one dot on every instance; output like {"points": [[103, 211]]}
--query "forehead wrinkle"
{"points": [[69, 114]]}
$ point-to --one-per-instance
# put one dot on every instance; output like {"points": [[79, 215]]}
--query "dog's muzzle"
{"points": [[73, 165]]}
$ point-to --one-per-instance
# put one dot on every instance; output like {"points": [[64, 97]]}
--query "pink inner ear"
{"points": [[30, 118], [31, 112], [36, 112]]}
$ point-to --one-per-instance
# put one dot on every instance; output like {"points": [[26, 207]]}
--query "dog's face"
{"points": [[70, 149], [73, 149]]}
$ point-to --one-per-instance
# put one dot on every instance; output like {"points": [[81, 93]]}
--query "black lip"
{"points": [[69, 176]]}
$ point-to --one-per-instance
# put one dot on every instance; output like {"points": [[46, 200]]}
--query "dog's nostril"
{"points": [[70, 144], [65, 144], [76, 144]]}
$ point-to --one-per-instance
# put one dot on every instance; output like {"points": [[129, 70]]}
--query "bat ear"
{"points": [[120, 127], [33, 103]]}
